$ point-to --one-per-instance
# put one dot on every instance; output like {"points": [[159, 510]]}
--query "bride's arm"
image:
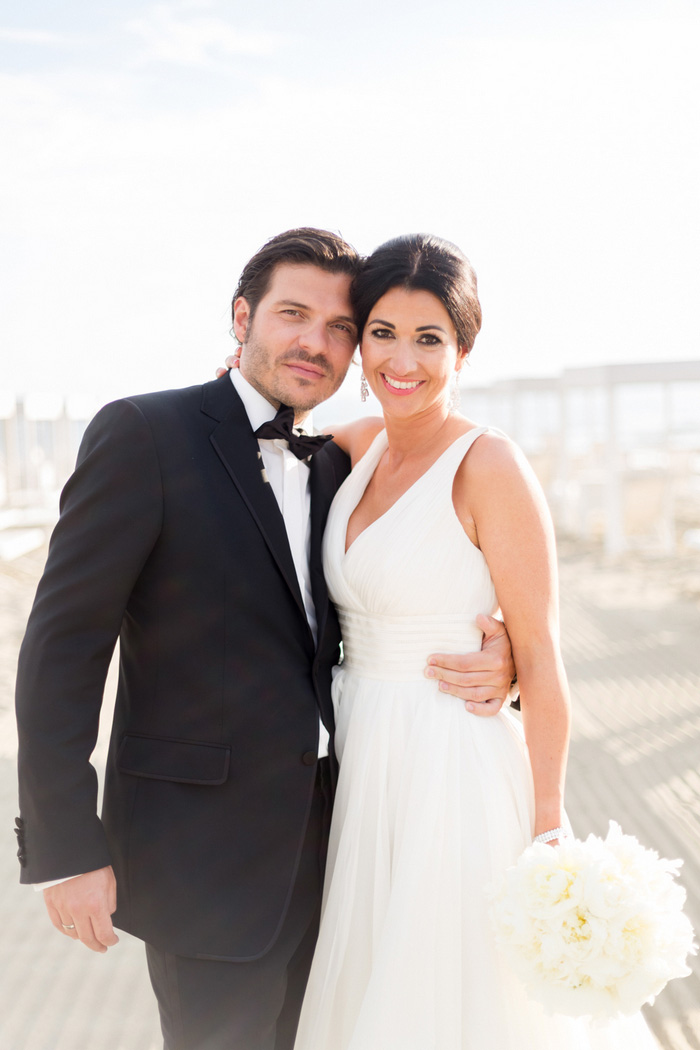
{"points": [[503, 508]]}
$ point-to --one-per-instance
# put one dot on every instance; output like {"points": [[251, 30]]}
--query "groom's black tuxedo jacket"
{"points": [[171, 540]]}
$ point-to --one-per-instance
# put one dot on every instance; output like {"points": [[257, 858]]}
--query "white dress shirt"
{"points": [[289, 480]]}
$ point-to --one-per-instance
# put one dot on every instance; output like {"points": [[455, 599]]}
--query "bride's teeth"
{"points": [[402, 386]]}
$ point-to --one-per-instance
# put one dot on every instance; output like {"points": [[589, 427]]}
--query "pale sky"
{"points": [[150, 148]]}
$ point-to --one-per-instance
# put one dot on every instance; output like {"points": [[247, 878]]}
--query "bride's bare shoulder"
{"points": [[495, 473], [494, 450], [356, 437]]}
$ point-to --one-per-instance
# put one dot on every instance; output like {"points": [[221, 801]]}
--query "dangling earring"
{"points": [[364, 389], [455, 397]]}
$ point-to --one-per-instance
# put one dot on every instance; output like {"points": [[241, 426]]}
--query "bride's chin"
{"points": [[401, 408]]}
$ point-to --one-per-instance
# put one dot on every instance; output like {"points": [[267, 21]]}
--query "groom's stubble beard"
{"points": [[265, 372]]}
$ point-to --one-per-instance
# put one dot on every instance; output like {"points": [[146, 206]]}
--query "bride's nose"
{"points": [[403, 359]]}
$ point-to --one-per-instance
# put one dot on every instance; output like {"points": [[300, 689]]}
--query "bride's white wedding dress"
{"points": [[432, 803]]}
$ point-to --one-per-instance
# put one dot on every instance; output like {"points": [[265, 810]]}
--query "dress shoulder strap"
{"points": [[448, 464], [455, 453], [439, 477], [367, 462]]}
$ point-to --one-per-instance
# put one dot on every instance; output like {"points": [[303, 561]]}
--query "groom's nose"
{"points": [[314, 337]]}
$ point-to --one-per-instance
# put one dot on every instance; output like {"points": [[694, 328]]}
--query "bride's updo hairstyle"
{"points": [[421, 262]]}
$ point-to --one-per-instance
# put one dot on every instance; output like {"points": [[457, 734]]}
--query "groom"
{"points": [[191, 530]]}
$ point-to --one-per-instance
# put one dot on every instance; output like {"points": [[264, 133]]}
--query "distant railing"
{"points": [[617, 449], [39, 440]]}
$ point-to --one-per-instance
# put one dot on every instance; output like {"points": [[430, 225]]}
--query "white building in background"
{"points": [[39, 440], [616, 447]]}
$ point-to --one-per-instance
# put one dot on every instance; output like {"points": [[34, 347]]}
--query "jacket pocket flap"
{"points": [[183, 761]]}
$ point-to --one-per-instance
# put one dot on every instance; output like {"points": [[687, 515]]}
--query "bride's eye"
{"points": [[428, 339], [381, 333]]}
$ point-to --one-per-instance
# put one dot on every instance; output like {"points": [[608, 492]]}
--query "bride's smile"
{"points": [[395, 384]]}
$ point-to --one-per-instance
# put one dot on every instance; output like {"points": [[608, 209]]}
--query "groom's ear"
{"points": [[241, 318]]}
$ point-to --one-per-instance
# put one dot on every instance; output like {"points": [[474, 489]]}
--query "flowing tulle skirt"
{"points": [[433, 804]]}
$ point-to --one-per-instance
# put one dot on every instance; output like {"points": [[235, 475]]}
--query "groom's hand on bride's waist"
{"points": [[482, 679]]}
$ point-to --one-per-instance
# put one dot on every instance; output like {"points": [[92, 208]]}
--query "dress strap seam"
{"points": [[453, 455]]}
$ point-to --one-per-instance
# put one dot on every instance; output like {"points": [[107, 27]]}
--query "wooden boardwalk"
{"points": [[632, 648], [631, 643]]}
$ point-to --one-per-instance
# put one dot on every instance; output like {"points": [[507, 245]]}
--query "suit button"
{"points": [[309, 758]]}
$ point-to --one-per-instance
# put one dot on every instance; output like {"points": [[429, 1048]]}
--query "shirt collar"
{"points": [[258, 408]]}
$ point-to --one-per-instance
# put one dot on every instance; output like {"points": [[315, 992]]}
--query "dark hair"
{"points": [[421, 262], [305, 245]]}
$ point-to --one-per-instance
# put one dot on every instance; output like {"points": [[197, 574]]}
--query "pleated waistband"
{"points": [[397, 648]]}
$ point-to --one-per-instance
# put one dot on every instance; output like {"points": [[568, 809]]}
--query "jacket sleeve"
{"points": [[111, 510]]}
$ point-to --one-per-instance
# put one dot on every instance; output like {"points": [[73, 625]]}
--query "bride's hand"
{"points": [[232, 361], [482, 679]]}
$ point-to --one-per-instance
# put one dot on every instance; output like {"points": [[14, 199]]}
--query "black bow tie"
{"points": [[302, 445]]}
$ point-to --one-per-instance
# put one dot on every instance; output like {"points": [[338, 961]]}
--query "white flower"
{"points": [[593, 927]]}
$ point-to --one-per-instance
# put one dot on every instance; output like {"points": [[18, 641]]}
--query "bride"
{"points": [[440, 520]]}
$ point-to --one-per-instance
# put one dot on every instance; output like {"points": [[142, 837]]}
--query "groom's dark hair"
{"points": [[306, 246]]}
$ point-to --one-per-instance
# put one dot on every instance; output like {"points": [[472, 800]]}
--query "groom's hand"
{"points": [[482, 679], [82, 908]]}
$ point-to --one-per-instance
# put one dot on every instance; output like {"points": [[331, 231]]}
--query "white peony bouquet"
{"points": [[593, 928]]}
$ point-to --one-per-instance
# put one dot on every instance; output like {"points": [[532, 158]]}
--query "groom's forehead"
{"points": [[320, 287]]}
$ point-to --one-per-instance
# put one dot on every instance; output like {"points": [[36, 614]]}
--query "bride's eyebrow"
{"points": [[423, 328]]}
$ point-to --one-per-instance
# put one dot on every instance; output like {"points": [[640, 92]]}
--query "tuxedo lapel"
{"points": [[322, 487], [238, 449]]}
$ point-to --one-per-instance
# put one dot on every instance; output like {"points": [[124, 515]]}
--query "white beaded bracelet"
{"points": [[547, 836]]}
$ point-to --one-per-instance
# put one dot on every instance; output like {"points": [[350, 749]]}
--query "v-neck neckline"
{"points": [[382, 448]]}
